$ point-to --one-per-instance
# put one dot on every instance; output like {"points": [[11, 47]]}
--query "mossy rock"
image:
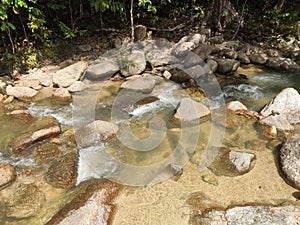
{"points": [[25, 202], [63, 172]]}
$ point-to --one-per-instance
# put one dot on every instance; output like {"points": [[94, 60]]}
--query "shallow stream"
{"points": [[169, 201]]}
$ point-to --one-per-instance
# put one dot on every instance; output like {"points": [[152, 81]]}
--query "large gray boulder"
{"points": [[190, 110], [95, 132], [133, 63], [102, 70], [290, 160], [68, 75], [286, 104], [143, 84]]}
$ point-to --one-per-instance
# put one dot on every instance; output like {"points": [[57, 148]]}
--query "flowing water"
{"points": [[168, 201]]}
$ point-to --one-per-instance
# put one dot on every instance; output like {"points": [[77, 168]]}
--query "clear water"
{"points": [[164, 203], [260, 88]]}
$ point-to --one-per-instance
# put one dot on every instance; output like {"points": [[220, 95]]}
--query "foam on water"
{"points": [[63, 113]]}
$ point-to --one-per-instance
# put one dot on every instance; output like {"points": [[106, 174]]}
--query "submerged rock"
{"points": [[290, 160], [190, 110], [22, 115], [89, 203], [68, 75], [63, 172], [95, 132], [43, 128], [25, 202], [7, 174], [231, 163]]}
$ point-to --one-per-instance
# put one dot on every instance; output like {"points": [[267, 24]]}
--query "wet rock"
{"points": [[43, 128], [290, 160], [63, 172], [25, 202], [236, 106], [227, 65], [62, 94], [22, 93], [134, 63], [231, 163], [147, 100], [203, 51], [90, 203], [243, 58], [212, 64], [256, 144], [68, 75], [95, 132], [241, 160], [22, 115], [252, 215], [140, 32], [190, 110], [283, 110], [77, 86], [7, 174], [46, 153], [211, 179], [258, 58], [143, 84], [102, 70]]}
